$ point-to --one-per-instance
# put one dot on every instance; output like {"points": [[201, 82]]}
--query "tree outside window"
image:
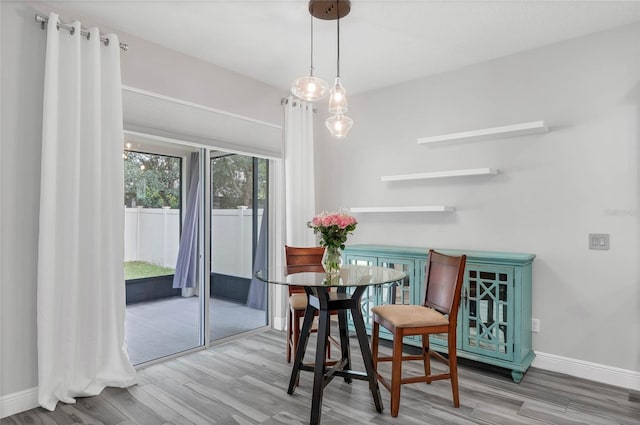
{"points": [[232, 182], [151, 181]]}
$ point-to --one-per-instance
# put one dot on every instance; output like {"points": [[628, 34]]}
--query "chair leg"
{"points": [[296, 334], [396, 372], [453, 368], [374, 344], [289, 334], [328, 335], [426, 357]]}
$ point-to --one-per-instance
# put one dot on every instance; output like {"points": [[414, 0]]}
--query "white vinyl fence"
{"points": [[153, 235]]}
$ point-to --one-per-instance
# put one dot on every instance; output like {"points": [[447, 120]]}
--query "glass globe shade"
{"points": [[338, 100], [309, 88], [339, 125]]}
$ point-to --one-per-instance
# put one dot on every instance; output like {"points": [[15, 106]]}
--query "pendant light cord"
{"points": [[311, 41], [338, 23]]}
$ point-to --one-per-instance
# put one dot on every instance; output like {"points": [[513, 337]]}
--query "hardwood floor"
{"points": [[244, 382]]}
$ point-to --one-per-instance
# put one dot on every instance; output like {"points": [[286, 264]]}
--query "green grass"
{"points": [[140, 269]]}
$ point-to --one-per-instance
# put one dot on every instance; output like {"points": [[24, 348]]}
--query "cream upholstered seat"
{"points": [[410, 316], [298, 301], [437, 315]]}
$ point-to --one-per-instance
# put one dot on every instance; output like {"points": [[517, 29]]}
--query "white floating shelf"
{"points": [[440, 174], [523, 129], [431, 208]]}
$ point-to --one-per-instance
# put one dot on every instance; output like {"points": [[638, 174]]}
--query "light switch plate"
{"points": [[598, 241]]}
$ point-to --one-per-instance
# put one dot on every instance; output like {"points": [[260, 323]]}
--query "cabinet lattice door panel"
{"points": [[400, 293], [369, 297], [487, 311]]}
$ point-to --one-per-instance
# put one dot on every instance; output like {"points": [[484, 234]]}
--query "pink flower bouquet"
{"points": [[333, 228]]}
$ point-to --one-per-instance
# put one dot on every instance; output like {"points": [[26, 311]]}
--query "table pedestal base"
{"points": [[322, 301]]}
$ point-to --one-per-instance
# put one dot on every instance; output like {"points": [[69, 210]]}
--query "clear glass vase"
{"points": [[331, 260]]}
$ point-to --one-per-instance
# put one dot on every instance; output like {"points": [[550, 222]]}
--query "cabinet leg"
{"points": [[517, 376]]}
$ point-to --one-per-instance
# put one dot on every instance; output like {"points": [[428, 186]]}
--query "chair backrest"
{"points": [[308, 256], [303, 259], [443, 283]]}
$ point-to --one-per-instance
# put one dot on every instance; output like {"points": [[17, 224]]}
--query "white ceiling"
{"points": [[382, 42]]}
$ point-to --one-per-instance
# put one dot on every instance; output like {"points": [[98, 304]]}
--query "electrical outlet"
{"points": [[535, 325]]}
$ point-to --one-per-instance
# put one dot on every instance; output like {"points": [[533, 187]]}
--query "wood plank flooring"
{"points": [[244, 382]]}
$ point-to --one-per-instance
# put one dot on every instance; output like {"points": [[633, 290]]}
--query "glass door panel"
{"points": [[159, 320], [238, 244], [397, 293], [487, 317], [370, 295]]}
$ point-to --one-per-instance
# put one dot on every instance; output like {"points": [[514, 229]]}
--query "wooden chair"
{"points": [[437, 315], [300, 259]]}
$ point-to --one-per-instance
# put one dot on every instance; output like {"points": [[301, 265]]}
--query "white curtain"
{"points": [[81, 293], [292, 197], [299, 172]]}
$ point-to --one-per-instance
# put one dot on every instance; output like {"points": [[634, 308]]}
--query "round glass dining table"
{"points": [[340, 292]]}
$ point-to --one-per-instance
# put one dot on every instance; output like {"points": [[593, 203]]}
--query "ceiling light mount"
{"points": [[329, 10]]}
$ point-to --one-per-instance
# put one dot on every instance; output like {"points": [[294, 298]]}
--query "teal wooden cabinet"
{"points": [[494, 321]]}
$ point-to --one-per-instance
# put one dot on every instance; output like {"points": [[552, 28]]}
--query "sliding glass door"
{"points": [[183, 205], [238, 244], [161, 319]]}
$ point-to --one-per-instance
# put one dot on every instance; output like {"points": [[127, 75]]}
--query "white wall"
{"points": [[554, 189], [21, 128], [148, 66], [145, 66]]}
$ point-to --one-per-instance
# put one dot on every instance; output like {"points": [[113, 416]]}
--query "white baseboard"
{"points": [[28, 399], [18, 402], [592, 371], [279, 323]]}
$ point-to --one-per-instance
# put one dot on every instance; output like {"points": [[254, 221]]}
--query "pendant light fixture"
{"points": [[309, 88], [338, 124], [338, 99]]}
